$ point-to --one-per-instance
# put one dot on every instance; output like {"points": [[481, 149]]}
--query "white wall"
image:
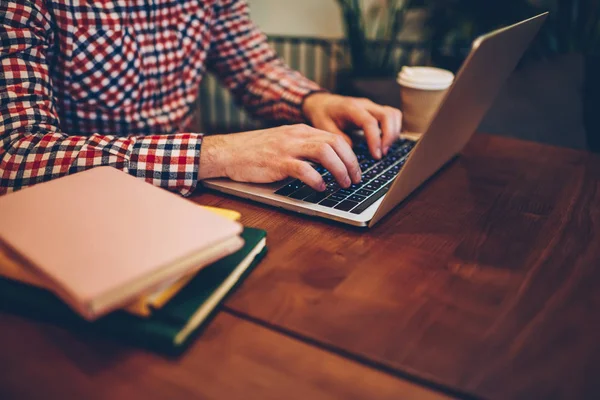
{"points": [[320, 18], [313, 18]]}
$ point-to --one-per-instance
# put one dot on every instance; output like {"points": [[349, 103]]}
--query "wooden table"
{"points": [[485, 284]]}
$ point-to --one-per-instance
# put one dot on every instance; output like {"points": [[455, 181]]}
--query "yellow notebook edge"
{"points": [[144, 306]]}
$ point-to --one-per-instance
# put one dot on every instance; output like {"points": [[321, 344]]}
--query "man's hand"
{"points": [[335, 113], [271, 155]]}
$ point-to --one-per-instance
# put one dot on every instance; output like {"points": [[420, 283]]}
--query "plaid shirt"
{"points": [[103, 82]]}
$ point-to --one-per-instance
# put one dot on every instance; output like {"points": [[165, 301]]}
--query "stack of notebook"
{"points": [[105, 251]]}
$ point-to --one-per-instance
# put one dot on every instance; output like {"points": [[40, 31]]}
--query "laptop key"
{"points": [[366, 164], [365, 192], [290, 188], [337, 196], [399, 143], [375, 184], [345, 192], [389, 160], [370, 175], [367, 203], [286, 190], [346, 205], [386, 176], [378, 168], [356, 197], [316, 197], [320, 169], [328, 202], [302, 193]]}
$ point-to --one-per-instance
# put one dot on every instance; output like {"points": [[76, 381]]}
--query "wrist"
{"points": [[310, 103], [212, 164]]}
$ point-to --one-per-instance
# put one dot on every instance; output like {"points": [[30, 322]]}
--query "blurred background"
{"points": [[357, 47]]}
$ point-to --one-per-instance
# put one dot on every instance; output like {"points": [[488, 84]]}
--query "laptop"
{"points": [[408, 164]]}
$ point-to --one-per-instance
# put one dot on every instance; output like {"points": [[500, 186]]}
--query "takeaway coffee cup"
{"points": [[422, 89]]}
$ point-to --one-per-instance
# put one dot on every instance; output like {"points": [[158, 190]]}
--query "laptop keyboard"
{"points": [[377, 177]]}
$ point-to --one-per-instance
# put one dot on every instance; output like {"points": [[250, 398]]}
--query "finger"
{"points": [[341, 144], [307, 174], [388, 122], [328, 125], [321, 152], [397, 118], [345, 153], [359, 116], [399, 121]]}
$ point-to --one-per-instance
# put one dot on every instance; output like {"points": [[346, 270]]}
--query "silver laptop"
{"points": [[387, 182]]}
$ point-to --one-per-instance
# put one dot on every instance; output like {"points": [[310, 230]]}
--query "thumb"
{"points": [[328, 125]]}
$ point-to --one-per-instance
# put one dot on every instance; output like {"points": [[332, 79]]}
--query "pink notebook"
{"points": [[102, 237]]}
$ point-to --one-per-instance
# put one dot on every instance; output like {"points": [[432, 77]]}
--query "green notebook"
{"points": [[169, 329]]}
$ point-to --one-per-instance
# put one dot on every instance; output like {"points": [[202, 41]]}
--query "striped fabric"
{"points": [[317, 59]]}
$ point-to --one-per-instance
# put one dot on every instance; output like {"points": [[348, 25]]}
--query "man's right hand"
{"points": [[271, 155]]}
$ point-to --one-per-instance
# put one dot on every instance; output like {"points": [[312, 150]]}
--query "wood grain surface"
{"points": [[485, 284], [486, 281], [233, 359]]}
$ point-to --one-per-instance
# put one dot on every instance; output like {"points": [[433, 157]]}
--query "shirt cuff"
{"points": [[293, 98], [168, 161]]}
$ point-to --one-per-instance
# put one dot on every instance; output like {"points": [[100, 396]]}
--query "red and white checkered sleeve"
{"points": [[250, 69], [32, 147]]}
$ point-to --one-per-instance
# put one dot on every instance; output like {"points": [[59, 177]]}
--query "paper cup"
{"points": [[422, 89]]}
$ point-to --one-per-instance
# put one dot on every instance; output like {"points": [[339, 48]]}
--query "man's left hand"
{"points": [[380, 124]]}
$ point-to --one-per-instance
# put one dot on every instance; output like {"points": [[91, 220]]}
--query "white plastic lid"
{"points": [[425, 78]]}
